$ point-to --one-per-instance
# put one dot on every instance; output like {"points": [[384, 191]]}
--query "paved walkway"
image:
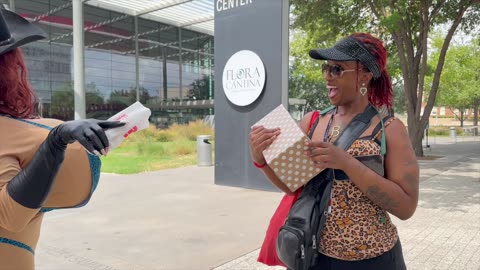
{"points": [[178, 219], [444, 233]]}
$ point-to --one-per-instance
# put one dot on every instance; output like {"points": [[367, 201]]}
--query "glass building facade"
{"points": [[175, 65]]}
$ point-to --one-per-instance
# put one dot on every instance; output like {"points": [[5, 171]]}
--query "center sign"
{"points": [[243, 78]]}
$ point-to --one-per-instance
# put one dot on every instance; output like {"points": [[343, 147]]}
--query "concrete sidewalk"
{"points": [[178, 219]]}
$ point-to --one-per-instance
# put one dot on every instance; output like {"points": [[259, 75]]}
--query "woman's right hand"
{"points": [[88, 132], [260, 139]]}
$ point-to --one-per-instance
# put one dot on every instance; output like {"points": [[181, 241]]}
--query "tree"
{"points": [[405, 26], [305, 80], [201, 89], [314, 93], [62, 105], [460, 79], [399, 99], [128, 97]]}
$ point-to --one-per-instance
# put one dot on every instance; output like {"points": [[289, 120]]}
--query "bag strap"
{"points": [[382, 126], [379, 125], [327, 110], [355, 128]]}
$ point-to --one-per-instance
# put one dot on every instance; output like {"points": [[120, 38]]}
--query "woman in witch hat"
{"points": [[43, 162]]}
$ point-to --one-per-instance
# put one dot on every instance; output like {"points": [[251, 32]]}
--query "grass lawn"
{"points": [[152, 149], [122, 164], [139, 157]]}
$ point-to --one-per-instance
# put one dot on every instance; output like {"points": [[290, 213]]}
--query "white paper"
{"points": [[135, 118]]}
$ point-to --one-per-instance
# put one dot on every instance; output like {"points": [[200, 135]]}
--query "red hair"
{"points": [[380, 93], [16, 95]]}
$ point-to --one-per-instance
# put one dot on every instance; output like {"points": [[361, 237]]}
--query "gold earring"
{"points": [[363, 89]]}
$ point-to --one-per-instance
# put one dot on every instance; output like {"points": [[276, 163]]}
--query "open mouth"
{"points": [[332, 91]]}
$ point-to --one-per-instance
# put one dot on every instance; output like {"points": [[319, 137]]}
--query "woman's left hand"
{"points": [[327, 155]]}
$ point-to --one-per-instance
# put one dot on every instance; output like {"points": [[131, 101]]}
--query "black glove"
{"points": [[31, 186], [90, 133]]}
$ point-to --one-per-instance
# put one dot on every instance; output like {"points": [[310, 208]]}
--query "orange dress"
{"points": [[72, 187]]}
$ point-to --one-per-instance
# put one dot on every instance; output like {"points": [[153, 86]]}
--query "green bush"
{"points": [[443, 131], [154, 149], [144, 136], [174, 133], [438, 131], [183, 147], [192, 130], [178, 140], [165, 136]]}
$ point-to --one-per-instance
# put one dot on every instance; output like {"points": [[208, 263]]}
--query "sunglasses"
{"points": [[334, 71]]}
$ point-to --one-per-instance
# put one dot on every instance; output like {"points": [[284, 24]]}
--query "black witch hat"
{"points": [[16, 31]]}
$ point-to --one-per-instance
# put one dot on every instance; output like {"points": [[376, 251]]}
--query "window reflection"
{"points": [[171, 71]]}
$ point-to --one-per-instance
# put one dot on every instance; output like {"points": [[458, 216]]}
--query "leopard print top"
{"points": [[356, 228]]}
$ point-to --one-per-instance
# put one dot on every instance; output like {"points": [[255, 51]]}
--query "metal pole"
{"points": [[426, 134], [210, 74], [210, 69], [284, 48], [180, 62], [78, 60], [137, 67], [164, 73], [11, 5]]}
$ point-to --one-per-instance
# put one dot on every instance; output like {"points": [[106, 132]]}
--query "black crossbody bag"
{"points": [[298, 238]]}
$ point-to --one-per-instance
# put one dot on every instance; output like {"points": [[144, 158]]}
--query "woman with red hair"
{"points": [[44, 164], [376, 176]]}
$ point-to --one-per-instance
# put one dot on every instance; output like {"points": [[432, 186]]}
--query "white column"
{"points": [[180, 63], [78, 60], [137, 64], [11, 5]]}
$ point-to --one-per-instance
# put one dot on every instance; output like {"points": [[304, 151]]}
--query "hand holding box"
{"points": [[285, 155]]}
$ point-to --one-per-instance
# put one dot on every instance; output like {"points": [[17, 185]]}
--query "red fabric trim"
{"points": [[268, 251], [314, 117]]}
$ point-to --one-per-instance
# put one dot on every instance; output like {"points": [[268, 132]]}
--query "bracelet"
{"points": [[259, 165]]}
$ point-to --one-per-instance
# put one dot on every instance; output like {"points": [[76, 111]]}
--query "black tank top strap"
{"points": [[317, 116], [313, 125]]}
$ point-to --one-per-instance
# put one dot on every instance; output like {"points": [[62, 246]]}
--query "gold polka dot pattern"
{"points": [[285, 155]]}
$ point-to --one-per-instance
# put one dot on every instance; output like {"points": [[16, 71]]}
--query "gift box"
{"points": [[285, 155]]}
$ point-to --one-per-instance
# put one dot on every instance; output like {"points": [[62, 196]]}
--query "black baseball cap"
{"points": [[348, 49]]}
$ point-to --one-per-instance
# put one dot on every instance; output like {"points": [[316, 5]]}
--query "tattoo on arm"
{"points": [[381, 199]]}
